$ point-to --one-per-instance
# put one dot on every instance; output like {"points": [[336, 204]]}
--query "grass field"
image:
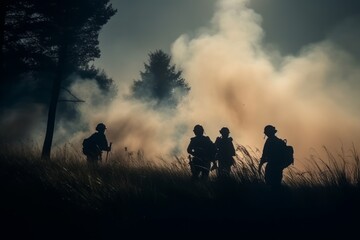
{"points": [[129, 194]]}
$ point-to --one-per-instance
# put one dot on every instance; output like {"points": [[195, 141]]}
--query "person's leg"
{"points": [[91, 159], [205, 174], [195, 172], [269, 175], [221, 169], [205, 169], [227, 170], [278, 177], [273, 176]]}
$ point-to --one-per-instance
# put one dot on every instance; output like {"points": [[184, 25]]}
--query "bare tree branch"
{"points": [[77, 100]]}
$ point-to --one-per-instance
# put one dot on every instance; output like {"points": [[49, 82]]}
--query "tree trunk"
{"points": [[3, 6], [46, 151]]}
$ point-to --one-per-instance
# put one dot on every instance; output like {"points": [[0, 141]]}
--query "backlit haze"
{"points": [[240, 81], [245, 70]]}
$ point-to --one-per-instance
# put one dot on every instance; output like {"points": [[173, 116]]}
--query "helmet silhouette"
{"points": [[198, 129], [224, 130], [269, 129], [100, 127]]}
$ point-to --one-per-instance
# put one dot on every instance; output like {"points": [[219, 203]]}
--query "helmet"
{"points": [[198, 129], [100, 127], [224, 130], [269, 129]]}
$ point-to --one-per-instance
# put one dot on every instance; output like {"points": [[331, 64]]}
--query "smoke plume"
{"points": [[311, 98], [237, 82]]}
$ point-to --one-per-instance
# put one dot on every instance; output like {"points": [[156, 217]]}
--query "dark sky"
{"points": [[291, 24]]}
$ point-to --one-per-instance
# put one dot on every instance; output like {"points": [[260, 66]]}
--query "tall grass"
{"points": [[124, 177], [135, 176], [129, 186], [327, 169]]}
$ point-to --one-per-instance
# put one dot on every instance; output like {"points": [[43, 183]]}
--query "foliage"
{"points": [[104, 82], [35, 31], [160, 83]]}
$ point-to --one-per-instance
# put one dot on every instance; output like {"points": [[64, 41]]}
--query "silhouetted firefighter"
{"points": [[202, 152], [277, 155], [225, 153], [95, 144]]}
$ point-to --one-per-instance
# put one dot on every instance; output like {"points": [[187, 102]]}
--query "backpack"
{"points": [[87, 146], [287, 154]]}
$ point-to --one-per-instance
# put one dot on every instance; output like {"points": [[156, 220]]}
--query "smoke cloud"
{"points": [[237, 82], [311, 98]]}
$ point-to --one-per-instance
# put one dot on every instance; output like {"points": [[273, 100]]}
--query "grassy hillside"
{"points": [[129, 194]]}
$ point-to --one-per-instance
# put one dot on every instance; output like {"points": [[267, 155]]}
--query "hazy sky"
{"points": [[290, 63], [293, 64], [141, 26]]}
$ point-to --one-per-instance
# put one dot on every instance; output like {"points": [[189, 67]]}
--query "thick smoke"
{"points": [[311, 98]]}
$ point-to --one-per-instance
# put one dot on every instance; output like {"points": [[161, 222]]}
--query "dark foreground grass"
{"points": [[131, 196]]}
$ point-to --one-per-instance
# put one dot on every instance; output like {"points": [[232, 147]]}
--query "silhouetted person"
{"points": [[97, 143], [225, 153], [202, 151], [271, 156]]}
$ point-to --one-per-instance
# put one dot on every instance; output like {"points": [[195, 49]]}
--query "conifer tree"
{"points": [[160, 83]]}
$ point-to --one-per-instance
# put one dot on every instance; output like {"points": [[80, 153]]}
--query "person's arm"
{"points": [[232, 148], [260, 166], [190, 148], [264, 157], [104, 146]]}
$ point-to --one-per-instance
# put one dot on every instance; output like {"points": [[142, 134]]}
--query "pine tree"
{"points": [[160, 83]]}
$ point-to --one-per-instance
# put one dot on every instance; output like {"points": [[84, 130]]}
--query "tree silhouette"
{"points": [[46, 45], [68, 36], [17, 42], [160, 83], [75, 43], [3, 9]]}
